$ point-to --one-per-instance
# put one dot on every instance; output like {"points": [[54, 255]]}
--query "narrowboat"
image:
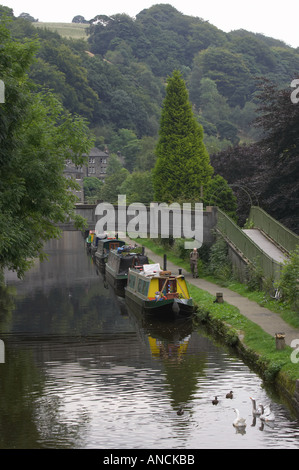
{"points": [[158, 292], [104, 246], [89, 239], [118, 263]]}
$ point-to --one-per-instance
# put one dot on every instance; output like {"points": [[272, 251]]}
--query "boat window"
{"points": [[143, 286], [132, 280]]}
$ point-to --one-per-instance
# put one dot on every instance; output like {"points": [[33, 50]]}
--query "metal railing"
{"points": [[281, 235], [247, 248]]}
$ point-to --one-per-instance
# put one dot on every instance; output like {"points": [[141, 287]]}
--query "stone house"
{"points": [[96, 166], [97, 163]]}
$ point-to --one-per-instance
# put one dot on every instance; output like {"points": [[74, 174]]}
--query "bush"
{"points": [[219, 263], [254, 274], [289, 281]]}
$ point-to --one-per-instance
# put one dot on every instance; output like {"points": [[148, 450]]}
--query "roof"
{"points": [[95, 152]]}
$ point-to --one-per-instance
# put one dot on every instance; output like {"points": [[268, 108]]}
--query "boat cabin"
{"points": [[104, 246], [157, 284]]}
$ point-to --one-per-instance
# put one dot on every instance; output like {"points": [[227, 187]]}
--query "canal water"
{"points": [[83, 372]]}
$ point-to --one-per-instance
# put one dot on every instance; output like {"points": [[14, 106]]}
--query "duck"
{"points": [[180, 411], [255, 411], [267, 414], [229, 395], [239, 422], [215, 401]]}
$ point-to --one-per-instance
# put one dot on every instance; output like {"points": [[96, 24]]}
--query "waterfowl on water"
{"points": [[215, 401], [229, 395], [180, 411], [255, 411], [267, 414], [239, 422]]}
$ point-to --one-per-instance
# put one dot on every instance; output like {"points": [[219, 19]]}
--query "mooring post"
{"points": [[164, 263], [280, 340]]}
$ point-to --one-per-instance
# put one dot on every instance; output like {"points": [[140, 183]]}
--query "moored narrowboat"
{"points": [[89, 239], [158, 292], [118, 263], [104, 246]]}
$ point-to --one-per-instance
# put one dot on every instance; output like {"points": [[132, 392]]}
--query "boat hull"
{"points": [[165, 307], [117, 281]]}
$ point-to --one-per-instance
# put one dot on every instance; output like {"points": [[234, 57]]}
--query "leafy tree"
{"points": [[27, 17], [289, 282], [114, 164], [218, 193], [36, 136], [111, 188], [92, 189], [228, 70], [267, 171], [138, 187], [146, 157], [182, 166], [79, 19], [126, 142]]}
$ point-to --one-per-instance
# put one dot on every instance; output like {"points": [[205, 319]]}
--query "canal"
{"points": [[83, 372]]}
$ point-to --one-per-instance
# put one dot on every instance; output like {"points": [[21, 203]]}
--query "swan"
{"points": [[267, 414], [255, 411], [239, 422], [180, 411], [229, 395]]}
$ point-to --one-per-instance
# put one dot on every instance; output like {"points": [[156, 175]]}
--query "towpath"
{"points": [[269, 321]]}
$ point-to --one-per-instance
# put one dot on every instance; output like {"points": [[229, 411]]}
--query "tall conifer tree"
{"points": [[183, 164]]}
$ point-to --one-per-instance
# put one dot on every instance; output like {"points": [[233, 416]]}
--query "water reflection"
{"points": [[82, 371]]}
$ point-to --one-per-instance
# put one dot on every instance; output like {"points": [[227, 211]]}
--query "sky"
{"points": [[275, 19]]}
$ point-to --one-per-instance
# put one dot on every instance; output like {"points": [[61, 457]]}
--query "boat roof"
{"points": [[107, 240], [154, 270]]}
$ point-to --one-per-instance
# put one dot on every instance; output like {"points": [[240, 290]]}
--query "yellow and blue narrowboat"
{"points": [[158, 292]]}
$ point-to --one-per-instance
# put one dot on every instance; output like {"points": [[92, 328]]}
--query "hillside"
{"points": [[115, 77]]}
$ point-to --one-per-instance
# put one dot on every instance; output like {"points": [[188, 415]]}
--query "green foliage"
{"points": [[219, 263], [254, 274], [111, 188], [114, 164], [36, 137], [116, 79], [218, 193], [182, 166], [229, 72], [138, 187], [92, 189], [289, 281]]}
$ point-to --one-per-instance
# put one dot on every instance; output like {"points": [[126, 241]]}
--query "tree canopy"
{"points": [[116, 78], [36, 135], [182, 167]]}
